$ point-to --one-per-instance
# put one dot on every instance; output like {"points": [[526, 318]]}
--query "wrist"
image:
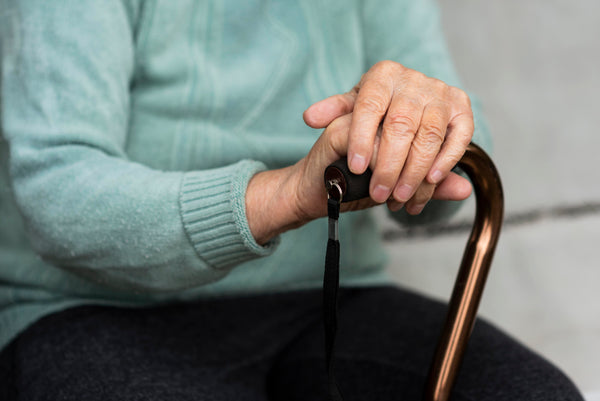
{"points": [[270, 205]]}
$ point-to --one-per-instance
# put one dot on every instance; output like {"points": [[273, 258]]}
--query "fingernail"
{"points": [[436, 176], [357, 163], [404, 192], [381, 193]]}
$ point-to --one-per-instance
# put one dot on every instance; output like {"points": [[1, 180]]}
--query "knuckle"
{"points": [[453, 156], [344, 102], [336, 140], [372, 104], [439, 85], [338, 127], [461, 96], [340, 98], [334, 126], [342, 123], [419, 167], [426, 147], [432, 132], [386, 65], [414, 76], [398, 123]]}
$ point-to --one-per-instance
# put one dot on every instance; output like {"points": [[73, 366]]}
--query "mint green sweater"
{"points": [[130, 130]]}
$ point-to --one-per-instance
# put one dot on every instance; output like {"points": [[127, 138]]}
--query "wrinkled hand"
{"points": [[305, 180], [426, 126], [287, 198]]}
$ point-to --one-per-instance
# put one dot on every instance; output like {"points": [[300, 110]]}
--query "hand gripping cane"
{"points": [[343, 186]]}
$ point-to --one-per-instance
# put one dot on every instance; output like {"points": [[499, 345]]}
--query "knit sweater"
{"points": [[130, 130]]}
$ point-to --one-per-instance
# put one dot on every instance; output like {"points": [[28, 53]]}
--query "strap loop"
{"points": [[330, 291]]}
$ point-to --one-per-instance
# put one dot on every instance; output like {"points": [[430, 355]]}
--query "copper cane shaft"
{"points": [[472, 274]]}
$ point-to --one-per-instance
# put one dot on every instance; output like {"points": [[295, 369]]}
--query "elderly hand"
{"points": [[426, 126]]}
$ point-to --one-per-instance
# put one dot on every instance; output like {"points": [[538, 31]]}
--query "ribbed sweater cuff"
{"points": [[213, 211]]}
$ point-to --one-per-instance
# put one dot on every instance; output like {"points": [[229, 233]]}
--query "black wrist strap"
{"points": [[331, 282]]}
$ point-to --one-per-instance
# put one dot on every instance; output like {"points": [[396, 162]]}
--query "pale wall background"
{"points": [[535, 65]]}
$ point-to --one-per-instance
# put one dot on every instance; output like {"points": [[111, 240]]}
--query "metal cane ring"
{"points": [[331, 193]]}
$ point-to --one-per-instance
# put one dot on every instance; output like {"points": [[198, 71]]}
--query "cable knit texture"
{"points": [[130, 130]]}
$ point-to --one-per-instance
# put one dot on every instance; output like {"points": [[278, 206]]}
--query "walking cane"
{"points": [[343, 186]]}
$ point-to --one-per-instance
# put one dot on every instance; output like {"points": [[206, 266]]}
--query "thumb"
{"points": [[322, 113], [454, 188]]}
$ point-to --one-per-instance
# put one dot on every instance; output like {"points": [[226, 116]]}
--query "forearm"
{"points": [[128, 226]]}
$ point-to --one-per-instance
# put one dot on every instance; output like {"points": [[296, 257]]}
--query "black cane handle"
{"points": [[352, 186]]}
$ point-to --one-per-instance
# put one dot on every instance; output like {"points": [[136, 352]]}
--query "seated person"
{"points": [[160, 201]]}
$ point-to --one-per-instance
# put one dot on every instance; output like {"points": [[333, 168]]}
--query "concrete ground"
{"points": [[534, 65]]}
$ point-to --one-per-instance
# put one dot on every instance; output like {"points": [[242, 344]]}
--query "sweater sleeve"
{"points": [[66, 73], [410, 32]]}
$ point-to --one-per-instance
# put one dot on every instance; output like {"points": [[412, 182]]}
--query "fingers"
{"points": [[409, 128], [423, 151], [423, 194], [399, 129], [369, 108], [444, 133], [453, 188], [322, 113], [394, 205], [307, 196], [459, 134], [333, 142]]}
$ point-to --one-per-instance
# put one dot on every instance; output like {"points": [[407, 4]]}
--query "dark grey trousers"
{"points": [[267, 347]]}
